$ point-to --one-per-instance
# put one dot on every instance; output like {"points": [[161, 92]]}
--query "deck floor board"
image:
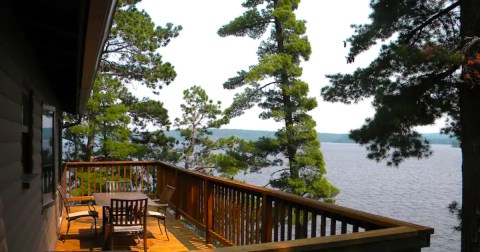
{"points": [[81, 236]]}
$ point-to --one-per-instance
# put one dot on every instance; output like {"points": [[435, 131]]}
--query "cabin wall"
{"points": [[30, 225]]}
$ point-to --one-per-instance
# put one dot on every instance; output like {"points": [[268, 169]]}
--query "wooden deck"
{"points": [[81, 236]]}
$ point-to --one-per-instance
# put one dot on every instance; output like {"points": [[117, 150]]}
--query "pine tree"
{"points": [[199, 113], [274, 85], [114, 124], [429, 70]]}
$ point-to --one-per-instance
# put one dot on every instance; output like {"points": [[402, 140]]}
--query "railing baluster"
{"points": [[81, 181], [141, 177], [323, 225], [282, 221], [333, 225], [305, 224], [221, 204], [313, 228], [355, 226], [88, 180], [118, 172], [298, 230], [252, 219], [247, 218], [131, 178], [290, 222], [208, 197], [239, 208], [344, 226], [243, 218], [275, 219], [231, 210], [227, 212], [266, 219]]}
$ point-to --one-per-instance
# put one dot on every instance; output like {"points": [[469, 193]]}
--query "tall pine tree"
{"points": [[430, 70], [114, 125], [274, 85]]}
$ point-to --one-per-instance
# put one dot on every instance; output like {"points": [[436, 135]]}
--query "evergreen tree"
{"points": [[429, 70], [199, 113], [274, 84], [114, 124]]}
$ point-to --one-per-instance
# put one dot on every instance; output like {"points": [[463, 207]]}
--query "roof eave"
{"points": [[98, 24]]}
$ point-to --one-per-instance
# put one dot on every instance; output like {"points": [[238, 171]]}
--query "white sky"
{"points": [[203, 58]]}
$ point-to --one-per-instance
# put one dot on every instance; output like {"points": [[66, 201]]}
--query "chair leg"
{"points": [[165, 226], [95, 223], [111, 240], [145, 241], [68, 227], [159, 227]]}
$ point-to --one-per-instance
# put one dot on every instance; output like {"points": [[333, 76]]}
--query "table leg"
{"points": [[104, 218]]}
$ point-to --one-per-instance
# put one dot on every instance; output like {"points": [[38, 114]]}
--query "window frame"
{"points": [[48, 183]]}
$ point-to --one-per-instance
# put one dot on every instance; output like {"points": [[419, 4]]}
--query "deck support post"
{"points": [[266, 219], [177, 199], [208, 211]]}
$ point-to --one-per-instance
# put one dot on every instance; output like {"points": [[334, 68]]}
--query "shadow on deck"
{"points": [[81, 236]]}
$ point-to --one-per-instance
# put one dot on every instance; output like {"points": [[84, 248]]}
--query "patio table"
{"points": [[103, 200]]}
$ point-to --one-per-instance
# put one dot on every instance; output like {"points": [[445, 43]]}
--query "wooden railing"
{"points": [[82, 179], [239, 214]]}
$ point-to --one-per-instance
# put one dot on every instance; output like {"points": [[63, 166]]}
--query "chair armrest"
{"points": [[91, 207], [162, 206]]}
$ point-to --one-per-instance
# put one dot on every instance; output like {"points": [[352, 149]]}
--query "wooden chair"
{"points": [[118, 186], [163, 204], [128, 216], [91, 212]]}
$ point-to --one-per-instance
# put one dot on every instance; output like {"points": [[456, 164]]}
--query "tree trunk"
{"points": [[287, 106], [90, 145], [470, 138], [469, 95]]}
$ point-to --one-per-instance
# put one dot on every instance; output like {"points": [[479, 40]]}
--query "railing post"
{"points": [[159, 185], [63, 180], [208, 211], [266, 219], [177, 199]]}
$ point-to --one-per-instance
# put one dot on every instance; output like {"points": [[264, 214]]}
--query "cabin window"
{"points": [[48, 154]]}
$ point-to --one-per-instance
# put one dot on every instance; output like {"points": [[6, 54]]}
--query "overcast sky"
{"points": [[203, 58]]}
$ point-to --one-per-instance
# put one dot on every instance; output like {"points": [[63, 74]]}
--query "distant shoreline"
{"points": [[250, 135]]}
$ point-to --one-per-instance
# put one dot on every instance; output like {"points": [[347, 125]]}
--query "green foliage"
{"points": [[429, 70], [283, 98], [198, 114], [413, 80], [455, 209], [130, 53], [114, 125]]}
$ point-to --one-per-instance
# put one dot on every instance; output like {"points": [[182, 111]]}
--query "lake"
{"points": [[418, 191]]}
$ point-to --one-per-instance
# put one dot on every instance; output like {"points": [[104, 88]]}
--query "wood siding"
{"points": [[26, 219]]}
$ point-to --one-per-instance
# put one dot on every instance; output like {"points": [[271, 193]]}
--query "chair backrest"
{"points": [[63, 196], [166, 194], [128, 212], [119, 186]]}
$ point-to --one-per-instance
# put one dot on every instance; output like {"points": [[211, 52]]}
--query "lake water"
{"points": [[418, 191]]}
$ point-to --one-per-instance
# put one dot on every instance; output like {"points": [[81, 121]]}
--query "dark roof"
{"points": [[67, 37]]}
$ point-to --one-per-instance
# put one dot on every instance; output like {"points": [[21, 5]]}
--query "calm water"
{"points": [[418, 191]]}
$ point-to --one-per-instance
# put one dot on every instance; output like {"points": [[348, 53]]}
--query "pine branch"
{"points": [[260, 88], [67, 125], [430, 20]]}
